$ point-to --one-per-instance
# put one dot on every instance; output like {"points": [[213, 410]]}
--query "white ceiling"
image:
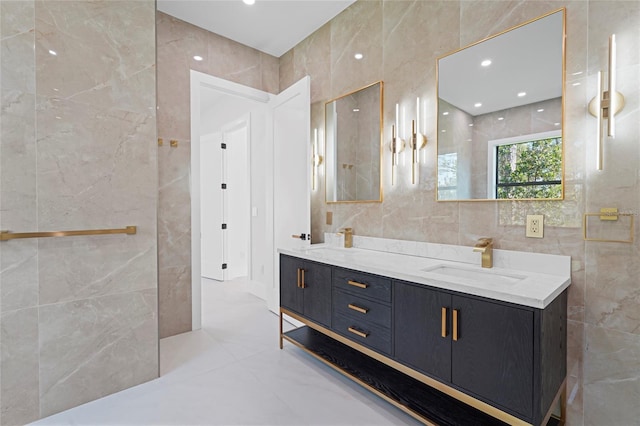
{"points": [[271, 26], [528, 59]]}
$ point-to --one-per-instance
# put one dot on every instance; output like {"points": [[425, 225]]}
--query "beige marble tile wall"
{"points": [[77, 151], [178, 42], [400, 41]]}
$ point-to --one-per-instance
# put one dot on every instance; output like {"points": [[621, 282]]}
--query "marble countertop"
{"points": [[533, 289]]}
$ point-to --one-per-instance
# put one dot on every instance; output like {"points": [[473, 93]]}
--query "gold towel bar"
{"points": [[8, 235]]}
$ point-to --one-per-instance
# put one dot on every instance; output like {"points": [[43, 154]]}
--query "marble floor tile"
{"points": [[231, 372]]}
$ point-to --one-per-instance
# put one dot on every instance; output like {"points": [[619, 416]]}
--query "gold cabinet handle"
{"points": [[298, 284], [358, 332], [455, 324], [357, 284], [358, 308], [444, 322], [302, 284]]}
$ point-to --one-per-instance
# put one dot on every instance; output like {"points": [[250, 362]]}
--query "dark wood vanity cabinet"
{"points": [[489, 349], [509, 356], [305, 288]]}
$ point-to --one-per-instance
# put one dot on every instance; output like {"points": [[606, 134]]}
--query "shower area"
{"points": [[78, 152]]}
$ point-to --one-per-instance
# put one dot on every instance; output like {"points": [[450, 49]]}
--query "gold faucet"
{"points": [[485, 246], [348, 237]]}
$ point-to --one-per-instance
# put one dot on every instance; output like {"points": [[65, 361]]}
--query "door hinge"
{"points": [[224, 266], [223, 145], [224, 186]]}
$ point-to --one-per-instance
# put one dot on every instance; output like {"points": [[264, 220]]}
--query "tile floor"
{"points": [[231, 372]]}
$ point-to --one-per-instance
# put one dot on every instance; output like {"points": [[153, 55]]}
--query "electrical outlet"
{"points": [[535, 226]]}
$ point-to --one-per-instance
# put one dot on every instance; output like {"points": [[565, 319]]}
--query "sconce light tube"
{"points": [[316, 159], [598, 106], [418, 141], [613, 100], [606, 104]]}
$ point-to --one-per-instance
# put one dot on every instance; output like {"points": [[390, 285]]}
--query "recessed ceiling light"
{"points": [[358, 56], [356, 110], [576, 83], [486, 62], [444, 131], [556, 124], [477, 104], [541, 109], [58, 117], [500, 118], [248, 2], [53, 52], [198, 58], [521, 94], [445, 113], [469, 140], [577, 73], [470, 124]]}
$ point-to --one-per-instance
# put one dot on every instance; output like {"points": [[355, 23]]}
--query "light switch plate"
{"points": [[329, 218], [535, 226]]}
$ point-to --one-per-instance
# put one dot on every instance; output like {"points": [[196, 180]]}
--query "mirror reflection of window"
{"points": [[527, 167], [448, 176]]}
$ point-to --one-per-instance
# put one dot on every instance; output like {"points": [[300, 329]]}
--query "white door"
{"points": [[237, 204], [212, 206], [225, 205], [291, 175]]}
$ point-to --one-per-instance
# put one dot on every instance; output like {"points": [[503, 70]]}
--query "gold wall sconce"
{"points": [[606, 104], [396, 146], [316, 159], [417, 142]]}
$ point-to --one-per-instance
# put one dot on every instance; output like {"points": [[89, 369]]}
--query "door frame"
{"points": [[200, 80]]}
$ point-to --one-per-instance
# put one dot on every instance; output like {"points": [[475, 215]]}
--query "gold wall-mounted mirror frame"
{"points": [[441, 147], [353, 146]]}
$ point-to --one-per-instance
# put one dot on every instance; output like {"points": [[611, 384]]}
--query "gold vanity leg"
{"points": [[281, 330], [563, 405]]}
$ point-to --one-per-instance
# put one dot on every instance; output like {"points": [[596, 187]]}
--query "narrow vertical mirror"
{"points": [[353, 129]]}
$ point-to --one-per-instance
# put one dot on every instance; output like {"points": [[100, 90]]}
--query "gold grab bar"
{"points": [[8, 235]]}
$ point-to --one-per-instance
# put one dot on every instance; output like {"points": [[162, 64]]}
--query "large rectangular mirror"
{"points": [[500, 115], [353, 129]]}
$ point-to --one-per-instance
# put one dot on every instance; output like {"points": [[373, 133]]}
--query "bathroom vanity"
{"points": [[440, 337]]}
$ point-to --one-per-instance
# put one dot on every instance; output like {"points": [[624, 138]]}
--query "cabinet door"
{"points": [[317, 292], [290, 293], [418, 330], [493, 356]]}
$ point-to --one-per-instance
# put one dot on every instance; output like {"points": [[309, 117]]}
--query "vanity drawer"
{"points": [[371, 286], [368, 334], [361, 309]]}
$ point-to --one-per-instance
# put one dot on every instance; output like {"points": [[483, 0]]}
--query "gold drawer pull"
{"points": [[358, 308], [444, 322], [298, 277], [455, 324], [302, 283], [357, 284], [358, 332]]}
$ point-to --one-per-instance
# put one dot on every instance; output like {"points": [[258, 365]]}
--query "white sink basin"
{"points": [[479, 276]]}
